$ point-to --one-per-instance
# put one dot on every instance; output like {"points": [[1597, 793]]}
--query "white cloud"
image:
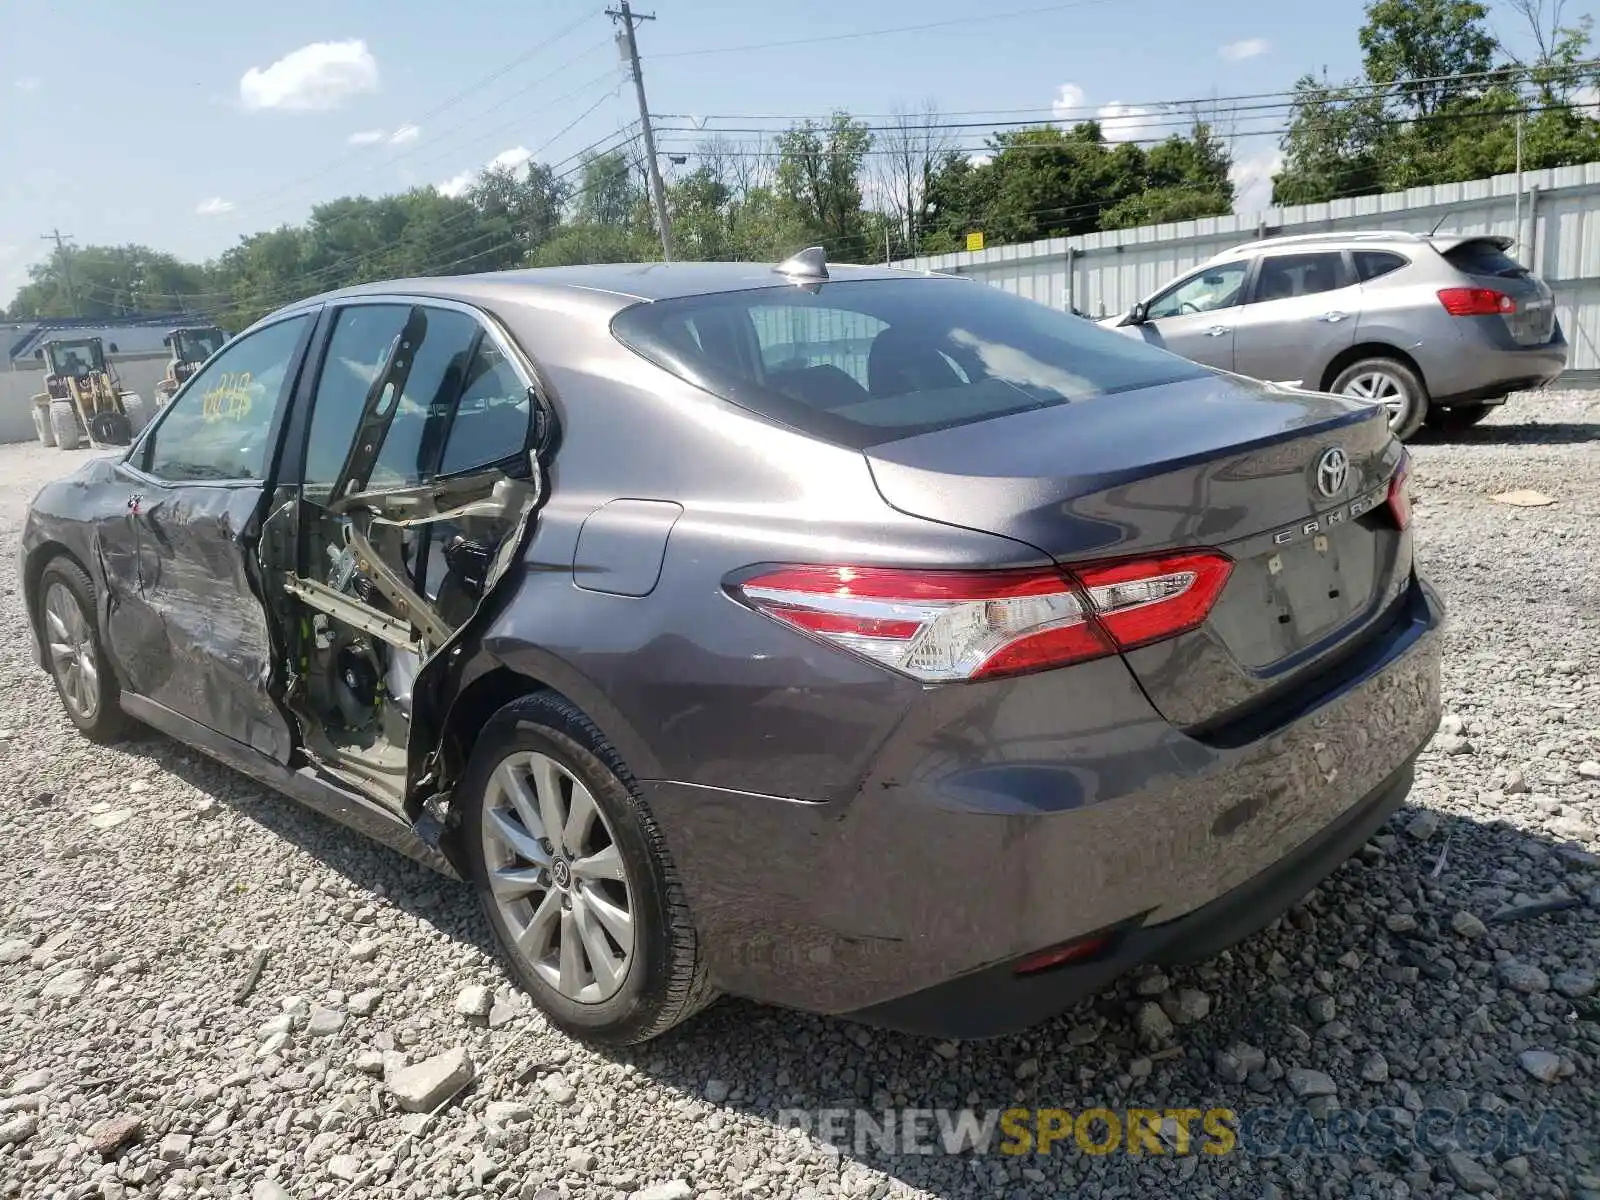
{"points": [[1587, 98], [27, 84], [213, 207], [1121, 122], [371, 137], [1252, 180], [512, 158], [456, 185], [1068, 104], [1245, 48], [319, 76]]}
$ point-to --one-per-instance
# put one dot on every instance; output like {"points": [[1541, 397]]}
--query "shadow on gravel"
{"points": [[1553, 433], [1430, 998], [445, 903], [1426, 991]]}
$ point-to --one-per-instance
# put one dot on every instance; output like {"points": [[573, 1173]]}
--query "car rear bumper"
{"points": [[997, 1001], [1001, 820], [1485, 368]]}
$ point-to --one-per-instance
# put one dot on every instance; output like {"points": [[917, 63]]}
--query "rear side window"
{"points": [[869, 361], [1484, 258], [1286, 276], [1374, 264]]}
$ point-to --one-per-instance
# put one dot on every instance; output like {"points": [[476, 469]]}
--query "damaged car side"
{"points": [[283, 562]]}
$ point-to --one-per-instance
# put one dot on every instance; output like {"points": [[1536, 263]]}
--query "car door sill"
{"points": [[303, 784]]}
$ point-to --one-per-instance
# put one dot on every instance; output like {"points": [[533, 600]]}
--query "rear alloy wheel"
{"points": [[83, 678], [1458, 417], [1391, 383], [574, 877]]}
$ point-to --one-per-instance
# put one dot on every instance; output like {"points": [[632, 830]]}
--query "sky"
{"points": [[188, 130]]}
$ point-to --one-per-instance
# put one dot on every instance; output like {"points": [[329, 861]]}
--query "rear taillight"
{"points": [[1399, 492], [1476, 302], [945, 626]]}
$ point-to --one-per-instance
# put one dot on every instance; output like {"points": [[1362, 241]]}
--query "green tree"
{"points": [[608, 192], [818, 181], [109, 281], [1419, 48], [530, 201]]}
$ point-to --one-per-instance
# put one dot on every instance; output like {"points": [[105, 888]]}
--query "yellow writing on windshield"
{"points": [[229, 400]]}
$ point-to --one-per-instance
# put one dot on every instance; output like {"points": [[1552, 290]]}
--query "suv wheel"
{"points": [[1389, 382], [83, 678], [575, 879]]}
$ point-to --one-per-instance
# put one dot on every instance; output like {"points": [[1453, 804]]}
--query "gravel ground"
{"points": [[141, 884]]}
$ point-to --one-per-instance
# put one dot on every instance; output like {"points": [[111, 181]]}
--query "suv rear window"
{"points": [[1484, 258], [868, 361], [1373, 264]]}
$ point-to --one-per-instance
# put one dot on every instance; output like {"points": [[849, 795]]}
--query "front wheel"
{"points": [[1391, 383], [83, 677], [575, 879]]}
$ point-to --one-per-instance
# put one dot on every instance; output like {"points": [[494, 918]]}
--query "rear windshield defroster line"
{"points": [[859, 363]]}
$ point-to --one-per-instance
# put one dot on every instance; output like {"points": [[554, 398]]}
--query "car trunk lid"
{"points": [[1291, 485], [1487, 263]]}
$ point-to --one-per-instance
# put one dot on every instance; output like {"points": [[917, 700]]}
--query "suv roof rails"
{"points": [[1350, 235]]}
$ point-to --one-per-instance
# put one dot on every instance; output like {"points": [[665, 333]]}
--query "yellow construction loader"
{"points": [[83, 398], [190, 346]]}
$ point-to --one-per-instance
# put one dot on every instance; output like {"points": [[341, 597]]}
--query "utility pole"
{"points": [[61, 239], [658, 193], [1517, 230]]}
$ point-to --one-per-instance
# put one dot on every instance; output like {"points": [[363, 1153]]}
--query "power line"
{"points": [[1355, 90], [987, 20]]}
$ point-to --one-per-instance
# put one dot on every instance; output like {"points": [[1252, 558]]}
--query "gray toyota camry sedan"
{"points": [[866, 642]]}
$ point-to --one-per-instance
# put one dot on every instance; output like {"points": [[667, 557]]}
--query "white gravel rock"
{"points": [[18, 1129], [475, 1001], [1541, 1064], [422, 1087]]}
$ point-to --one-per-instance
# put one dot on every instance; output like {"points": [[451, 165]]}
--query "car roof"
{"points": [[627, 282], [1443, 242]]}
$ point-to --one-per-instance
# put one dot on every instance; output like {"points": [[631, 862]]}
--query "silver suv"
{"points": [[1436, 328]]}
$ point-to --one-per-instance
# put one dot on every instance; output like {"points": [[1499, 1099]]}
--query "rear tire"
{"points": [[41, 425], [1393, 384], [133, 406], [563, 904], [64, 424], [71, 638], [1459, 417]]}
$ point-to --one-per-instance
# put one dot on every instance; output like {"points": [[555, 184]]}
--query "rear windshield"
{"points": [[1484, 258], [869, 361]]}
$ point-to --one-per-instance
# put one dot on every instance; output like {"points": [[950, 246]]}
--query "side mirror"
{"points": [[166, 340], [112, 347], [1139, 313]]}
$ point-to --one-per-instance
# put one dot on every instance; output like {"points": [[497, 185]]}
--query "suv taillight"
{"points": [[1399, 494], [1476, 302], [946, 626]]}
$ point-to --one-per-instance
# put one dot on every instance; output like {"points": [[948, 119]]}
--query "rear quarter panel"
{"points": [[689, 684]]}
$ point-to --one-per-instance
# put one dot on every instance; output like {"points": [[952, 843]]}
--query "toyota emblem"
{"points": [[1333, 471]]}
